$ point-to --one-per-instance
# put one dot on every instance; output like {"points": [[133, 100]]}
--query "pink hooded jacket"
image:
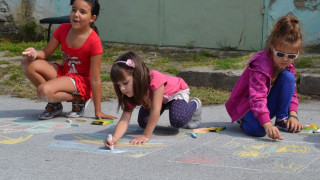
{"points": [[253, 87]]}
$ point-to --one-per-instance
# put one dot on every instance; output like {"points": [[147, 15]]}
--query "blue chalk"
{"points": [[194, 135], [310, 131]]}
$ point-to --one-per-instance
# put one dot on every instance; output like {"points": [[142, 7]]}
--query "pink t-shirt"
{"points": [[172, 85]]}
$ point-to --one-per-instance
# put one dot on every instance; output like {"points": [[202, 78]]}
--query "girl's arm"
{"points": [[258, 92], [121, 128], [153, 118], [43, 54], [293, 124], [95, 81]]}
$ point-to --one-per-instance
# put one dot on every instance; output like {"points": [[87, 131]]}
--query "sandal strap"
{"points": [[54, 106], [81, 104]]}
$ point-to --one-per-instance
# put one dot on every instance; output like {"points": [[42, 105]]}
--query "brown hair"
{"points": [[286, 31], [141, 80], [95, 9]]}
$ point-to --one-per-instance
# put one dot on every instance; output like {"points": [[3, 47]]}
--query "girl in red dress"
{"points": [[77, 79]]}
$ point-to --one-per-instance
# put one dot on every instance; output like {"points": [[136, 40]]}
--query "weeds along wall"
{"points": [[14, 14]]}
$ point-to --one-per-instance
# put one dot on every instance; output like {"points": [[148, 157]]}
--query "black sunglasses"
{"points": [[281, 54]]}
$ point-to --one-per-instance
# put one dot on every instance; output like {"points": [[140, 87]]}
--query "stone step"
{"points": [[308, 84]]}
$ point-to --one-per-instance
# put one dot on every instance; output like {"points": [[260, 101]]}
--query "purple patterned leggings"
{"points": [[180, 113]]}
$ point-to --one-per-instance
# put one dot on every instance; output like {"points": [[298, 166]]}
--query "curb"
{"points": [[308, 84]]}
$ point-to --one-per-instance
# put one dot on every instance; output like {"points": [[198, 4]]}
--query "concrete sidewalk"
{"points": [[53, 149]]}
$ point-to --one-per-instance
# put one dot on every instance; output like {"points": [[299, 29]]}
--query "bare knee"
{"points": [[45, 92]]}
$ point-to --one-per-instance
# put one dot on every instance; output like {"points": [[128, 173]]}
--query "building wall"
{"points": [[18, 12], [233, 24], [308, 11]]}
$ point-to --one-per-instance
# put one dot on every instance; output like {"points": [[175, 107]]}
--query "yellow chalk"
{"points": [[101, 122], [81, 120]]}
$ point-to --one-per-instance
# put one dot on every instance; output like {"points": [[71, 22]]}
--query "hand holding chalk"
{"points": [[30, 53], [110, 139]]}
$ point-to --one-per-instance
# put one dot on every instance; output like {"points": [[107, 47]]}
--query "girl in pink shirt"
{"points": [[155, 92], [266, 89]]}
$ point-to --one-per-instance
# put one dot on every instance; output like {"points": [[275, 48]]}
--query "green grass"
{"points": [[4, 62], [209, 95], [170, 61], [15, 49], [308, 62]]}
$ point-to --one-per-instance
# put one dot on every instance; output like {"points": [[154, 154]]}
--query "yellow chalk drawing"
{"points": [[235, 143], [138, 155], [293, 148], [291, 167], [265, 150], [8, 140], [89, 141]]}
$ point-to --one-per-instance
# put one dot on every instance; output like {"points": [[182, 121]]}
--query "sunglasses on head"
{"points": [[281, 54]]}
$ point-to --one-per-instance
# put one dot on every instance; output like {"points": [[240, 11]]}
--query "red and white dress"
{"points": [[76, 61]]}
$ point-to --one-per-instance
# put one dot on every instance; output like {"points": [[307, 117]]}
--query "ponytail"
{"points": [[95, 9], [94, 27], [286, 30]]}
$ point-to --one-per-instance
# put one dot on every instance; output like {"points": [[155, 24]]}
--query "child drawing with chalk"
{"points": [[266, 89], [135, 85], [77, 78]]}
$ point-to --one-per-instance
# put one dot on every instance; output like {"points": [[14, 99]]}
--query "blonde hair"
{"points": [[286, 31]]}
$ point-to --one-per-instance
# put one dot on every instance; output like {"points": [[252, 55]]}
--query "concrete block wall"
{"points": [[308, 84]]}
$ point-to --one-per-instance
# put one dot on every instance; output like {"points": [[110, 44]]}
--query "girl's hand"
{"points": [[294, 125], [272, 131], [101, 115], [139, 140], [109, 143], [30, 53]]}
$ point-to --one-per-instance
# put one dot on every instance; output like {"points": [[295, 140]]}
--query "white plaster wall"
{"points": [[309, 17], [40, 9]]}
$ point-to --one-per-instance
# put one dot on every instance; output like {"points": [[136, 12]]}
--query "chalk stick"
{"points": [[81, 120], [101, 122], [75, 125], [110, 138], [194, 135], [220, 129], [69, 120]]}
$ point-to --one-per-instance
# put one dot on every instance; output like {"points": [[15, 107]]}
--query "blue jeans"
{"points": [[278, 103]]}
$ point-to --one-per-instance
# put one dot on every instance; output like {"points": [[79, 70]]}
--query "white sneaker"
{"points": [[196, 117]]}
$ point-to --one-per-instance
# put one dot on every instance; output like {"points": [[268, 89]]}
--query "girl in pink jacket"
{"points": [[266, 89]]}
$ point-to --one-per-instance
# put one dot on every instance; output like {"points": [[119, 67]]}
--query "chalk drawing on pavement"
{"points": [[12, 128], [253, 154], [11, 140], [93, 142], [29, 126]]}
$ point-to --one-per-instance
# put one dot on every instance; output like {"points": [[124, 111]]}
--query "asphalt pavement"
{"points": [[56, 149]]}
